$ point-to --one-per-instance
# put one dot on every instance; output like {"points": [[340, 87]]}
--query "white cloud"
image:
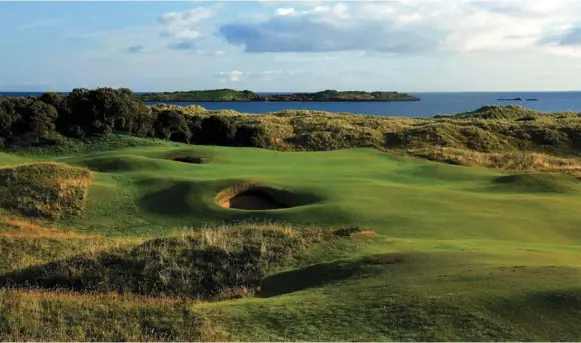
{"points": [[233, 75], [284, 11], [458, 26], [185, 25], [177, 31], [193, 16]]}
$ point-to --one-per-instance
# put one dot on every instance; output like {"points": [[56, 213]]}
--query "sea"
{"points": [[430, 104]]}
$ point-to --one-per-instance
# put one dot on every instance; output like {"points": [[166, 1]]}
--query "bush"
{"points": [[251, 136], [172, 125], [144, 125], [481, 140], [549, 137], [195, 125], [53, 99], [25, 121], [217, 130], [89, 112]]}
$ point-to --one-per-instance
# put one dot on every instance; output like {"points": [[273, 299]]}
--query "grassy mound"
{"points": [[108, 142], [200, 264], [120, 163], [536, 182], [502, 112], [44, 189]]}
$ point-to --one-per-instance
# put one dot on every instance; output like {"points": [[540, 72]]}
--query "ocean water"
{"points": [[431, 103]]}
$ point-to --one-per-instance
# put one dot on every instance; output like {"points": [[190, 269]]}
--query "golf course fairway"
{"points": [[429, 252]]}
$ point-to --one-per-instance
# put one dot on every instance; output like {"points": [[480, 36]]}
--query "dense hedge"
{"points": [[84, 113]]}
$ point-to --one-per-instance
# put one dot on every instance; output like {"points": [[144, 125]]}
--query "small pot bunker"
{"points": [[257, 197], [187, 159]]}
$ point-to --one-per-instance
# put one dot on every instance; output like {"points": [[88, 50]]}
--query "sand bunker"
{"points": [[253, 197], [252, 201]]}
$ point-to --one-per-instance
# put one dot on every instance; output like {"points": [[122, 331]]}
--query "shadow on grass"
{"points": [[179, 199], [326, 273], [537, 183]]}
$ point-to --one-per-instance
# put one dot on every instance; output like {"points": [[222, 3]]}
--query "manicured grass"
{"points": [[441, 252]]}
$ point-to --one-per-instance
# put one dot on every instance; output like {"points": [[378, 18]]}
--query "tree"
{"points": [[172, 125], [24, 120], [37, 121], [74, 118], [250, 136], [90, 112], [8, 116], [53, 99], [144, 122], [195, 126], [217, 130]]}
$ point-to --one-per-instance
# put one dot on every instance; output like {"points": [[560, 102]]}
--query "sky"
{"points": [[405, 45]]}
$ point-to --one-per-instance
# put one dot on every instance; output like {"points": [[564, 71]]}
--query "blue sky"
{"points": [[406, 45]]}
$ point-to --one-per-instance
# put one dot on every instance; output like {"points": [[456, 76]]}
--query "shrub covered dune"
{"points": [[120, 221]]}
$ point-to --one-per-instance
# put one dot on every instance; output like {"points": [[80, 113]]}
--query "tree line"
{"points": [[84, 113]]}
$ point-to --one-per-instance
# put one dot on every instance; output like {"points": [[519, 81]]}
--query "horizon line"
{"points": [[450, 91]]}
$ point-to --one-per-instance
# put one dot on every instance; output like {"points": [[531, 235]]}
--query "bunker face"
{"points": [[253, 197], [252, 200]]}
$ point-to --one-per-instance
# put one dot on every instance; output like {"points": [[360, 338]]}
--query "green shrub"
{"points": [[217, 130], [25, 121], [251, 136], [172, 125], [481, 140]]}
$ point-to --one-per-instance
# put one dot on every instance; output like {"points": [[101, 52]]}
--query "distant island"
{"points": [[231, 95], [510, 99], [518, 99]]}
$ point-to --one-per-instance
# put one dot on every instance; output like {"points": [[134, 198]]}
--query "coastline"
{"points": [[333, 100]]}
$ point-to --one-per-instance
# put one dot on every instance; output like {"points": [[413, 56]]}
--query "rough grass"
{"points": [[11, 226], [200, 264], [521, 160], [58, 316], [44, 189]]}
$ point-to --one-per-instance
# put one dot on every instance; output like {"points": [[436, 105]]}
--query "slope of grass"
{"points": [[441, 252], [44, 189]]}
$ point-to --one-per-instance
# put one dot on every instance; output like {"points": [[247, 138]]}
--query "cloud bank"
{"points": [[412, 27]]}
